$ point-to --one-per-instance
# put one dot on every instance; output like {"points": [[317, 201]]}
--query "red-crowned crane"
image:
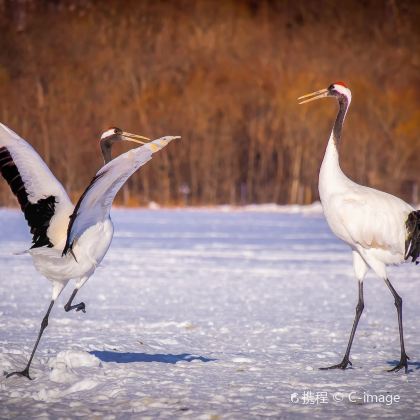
{"points": [[380, 228], [68, 241]]}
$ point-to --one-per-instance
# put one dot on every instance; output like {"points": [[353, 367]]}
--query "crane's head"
{"points": [[337, 90], [114, 135]]}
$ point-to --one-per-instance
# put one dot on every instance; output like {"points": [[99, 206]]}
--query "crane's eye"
{"points": [[331, 87]]}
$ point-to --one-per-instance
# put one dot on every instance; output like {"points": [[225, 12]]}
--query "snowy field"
{"points": [[208, 314]]}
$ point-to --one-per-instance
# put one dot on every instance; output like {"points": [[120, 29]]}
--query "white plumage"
{"points": [[69, 241], [373, 223]]}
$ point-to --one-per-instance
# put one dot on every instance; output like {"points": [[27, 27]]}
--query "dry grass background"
{"points": [[223, 74]]}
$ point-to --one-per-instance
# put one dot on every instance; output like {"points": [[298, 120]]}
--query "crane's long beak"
{"points": [[133, 137], [312, 96], [158, 144]]}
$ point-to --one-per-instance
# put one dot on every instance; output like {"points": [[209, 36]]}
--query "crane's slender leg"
{"points": [[360, 270], [44, 324], [79, 306], [398, 303], [359, 309]]}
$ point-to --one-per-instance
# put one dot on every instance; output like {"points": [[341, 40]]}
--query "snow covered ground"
{"points": [[209, 314]]}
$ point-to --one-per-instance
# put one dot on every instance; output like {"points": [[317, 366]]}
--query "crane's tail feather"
{"points": [[412, 243]]}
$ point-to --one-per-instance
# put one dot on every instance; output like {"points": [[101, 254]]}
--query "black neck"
{"points": [[106, 146], [343, 103]]}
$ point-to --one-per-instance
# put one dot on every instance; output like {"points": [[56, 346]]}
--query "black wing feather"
{"points": [[39, 214], [412, 243]]}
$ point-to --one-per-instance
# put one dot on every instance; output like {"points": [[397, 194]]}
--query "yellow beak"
{"points": [[312, 96], [133, 137]]}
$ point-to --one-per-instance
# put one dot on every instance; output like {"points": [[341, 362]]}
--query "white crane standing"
{"points": [[380, 228], [68, 242]]}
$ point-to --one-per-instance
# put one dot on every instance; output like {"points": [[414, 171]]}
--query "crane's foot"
{"points": [[79, 307], [24, 372], [403, 364], [342, 365]]}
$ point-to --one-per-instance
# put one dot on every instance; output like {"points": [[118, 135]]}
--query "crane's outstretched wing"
{"points": [[95, 203], [42, 198]]}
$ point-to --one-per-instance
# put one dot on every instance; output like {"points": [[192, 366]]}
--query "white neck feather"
{"points": [[331, 177], [330, 171]]}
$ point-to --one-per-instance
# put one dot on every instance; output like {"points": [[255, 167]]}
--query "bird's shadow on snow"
{"points": [[411, 365], [118, 357]]}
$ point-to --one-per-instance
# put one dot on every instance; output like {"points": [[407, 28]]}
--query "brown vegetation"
{"points": [[223, 74]]}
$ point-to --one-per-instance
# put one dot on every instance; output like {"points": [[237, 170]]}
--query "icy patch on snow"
{"points": [[63, 366], [73, 359], [53, 394], [241, 360]]}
